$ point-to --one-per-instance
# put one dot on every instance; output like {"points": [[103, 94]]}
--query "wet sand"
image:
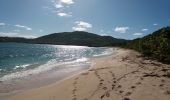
{"points": [[124, 75]]}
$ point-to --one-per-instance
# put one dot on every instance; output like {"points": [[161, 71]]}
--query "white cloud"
{"points": [[26, 27], [14, 34], [68, 2], [81, 26], [138, 34], [121, 29], [145, 29], [64, 14], [79, 29], [104, 34], [28, 36], [59, 5], [8, 34], [155, 24], [2, 24]]}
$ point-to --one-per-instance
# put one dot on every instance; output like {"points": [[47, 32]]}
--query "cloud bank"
{"points": [[138, 34], [81, 26], [64, 14], [25, 27], [145, 29], [121, 29]]}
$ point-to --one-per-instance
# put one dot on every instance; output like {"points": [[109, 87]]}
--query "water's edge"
{"points": [[36, 81]]}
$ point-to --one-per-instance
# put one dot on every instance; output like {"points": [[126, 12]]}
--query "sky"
{"points": [[127, 19]]}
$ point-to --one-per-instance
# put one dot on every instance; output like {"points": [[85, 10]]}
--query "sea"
{"points": [[19, 60]]}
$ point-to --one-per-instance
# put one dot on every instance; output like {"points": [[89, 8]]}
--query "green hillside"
{"points": [[70, 38], [79, 38]]}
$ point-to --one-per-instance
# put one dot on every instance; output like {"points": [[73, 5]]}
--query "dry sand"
{"points": [[125, 75]]}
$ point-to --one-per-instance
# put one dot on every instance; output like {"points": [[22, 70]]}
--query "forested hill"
{"points": [[155, 45], [70, 38]]}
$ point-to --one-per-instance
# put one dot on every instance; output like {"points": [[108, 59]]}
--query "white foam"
{"points": [[46, 67], [82, 59], [22, 66], [106, 52]]}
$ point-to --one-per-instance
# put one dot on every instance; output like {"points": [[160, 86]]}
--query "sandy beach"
{"points": [[124, 75]]}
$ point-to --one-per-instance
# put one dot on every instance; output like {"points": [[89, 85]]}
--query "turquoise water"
{"points": [[17, 60]]}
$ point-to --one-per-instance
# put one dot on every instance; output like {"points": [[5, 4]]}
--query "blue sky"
{"points": [[126, 19]]}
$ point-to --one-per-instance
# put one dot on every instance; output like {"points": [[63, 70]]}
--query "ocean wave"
{"points": [[106, 52], [50, 65], [21, 66], [42, 68]]}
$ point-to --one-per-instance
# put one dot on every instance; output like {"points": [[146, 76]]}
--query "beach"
{"points": [[123, 75]]}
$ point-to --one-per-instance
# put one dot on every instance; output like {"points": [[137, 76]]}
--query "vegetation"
{"points": [[14, 39], [71, 38], [155, 45]]}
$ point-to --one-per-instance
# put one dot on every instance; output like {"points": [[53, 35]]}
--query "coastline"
{"points": [[62, 71], [123, 75]]}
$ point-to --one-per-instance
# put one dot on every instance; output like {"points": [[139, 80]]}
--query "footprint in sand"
{"points": [[141, 78], [102, 97], [126, 98], [113, 86], [104, 88], [121, 91], [168, 92], [138, 83], [75, 89], [85, 73], [128, 93], [119, 86], [161, 85], [107, 94], [74, 99], [133, 87]]}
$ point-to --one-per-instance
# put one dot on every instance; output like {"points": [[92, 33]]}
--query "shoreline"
{"points": [[10, 88], [16, 86], [124, 75]]}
